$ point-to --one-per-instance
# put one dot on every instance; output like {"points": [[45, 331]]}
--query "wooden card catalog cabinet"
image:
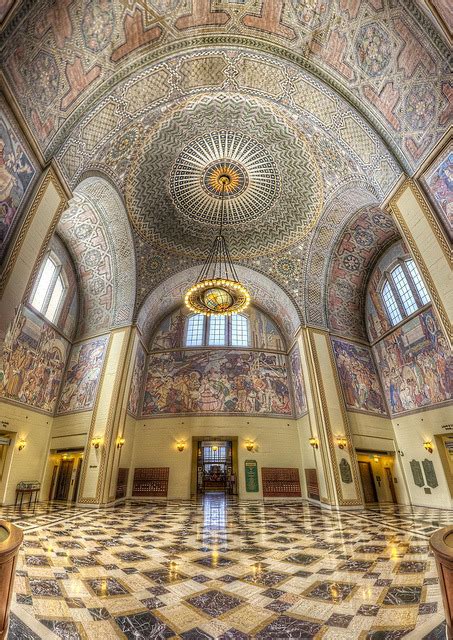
{"points": [[280, 482], [151, 482], [441, 543]]}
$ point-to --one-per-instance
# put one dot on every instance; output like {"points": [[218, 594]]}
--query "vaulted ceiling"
{"points": [[317, 106]]}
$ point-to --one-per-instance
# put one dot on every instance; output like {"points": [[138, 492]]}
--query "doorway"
{"points": [[214, 466], [369, 488], [64, 480]]}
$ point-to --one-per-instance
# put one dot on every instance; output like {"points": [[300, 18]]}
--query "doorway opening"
{"points": [[65, 471], [377, 474], [214, 466]]}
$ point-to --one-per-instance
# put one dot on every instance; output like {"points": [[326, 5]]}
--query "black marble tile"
{"points": [[279, 606], [330, 591], [302, 558], [18, 630], [339, 620], [143, 626], [388, 634], [106, 587], [214, 603], [411, 566], [438, 633], [63, 629], [286, 627], [368, 610], [402, 595], [427, 608], [40, 587], [22, 598], [164, 576], [266, 578], [196, 634]]}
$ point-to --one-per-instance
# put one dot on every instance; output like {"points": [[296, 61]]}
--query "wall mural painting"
{"points": [[137, 380], [34, 358], [170, 333], [416, 365], [223, 381], [358, 376], [438, 181], [82, 375], [300, 403], [17, 172]]}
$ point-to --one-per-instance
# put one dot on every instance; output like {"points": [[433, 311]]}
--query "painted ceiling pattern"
{"points": [[384, 55], [183, 219]]}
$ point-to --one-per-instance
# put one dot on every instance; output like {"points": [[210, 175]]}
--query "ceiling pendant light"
{"points": [[217, 290]]}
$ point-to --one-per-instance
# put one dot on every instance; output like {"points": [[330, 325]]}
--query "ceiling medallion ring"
{"points": [[195, 189]]}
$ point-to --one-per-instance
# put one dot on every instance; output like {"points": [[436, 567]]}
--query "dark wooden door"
{"points": [[311, 478], [64, 480], [389, 474], [369, 488], [77, 480], [52, 483]]}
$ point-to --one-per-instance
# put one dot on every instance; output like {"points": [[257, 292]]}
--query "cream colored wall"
{"points": [[276, 440], [28, 464]]}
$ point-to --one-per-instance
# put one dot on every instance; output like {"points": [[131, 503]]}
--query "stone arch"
{"points": [[96, 229], [267, 294]]}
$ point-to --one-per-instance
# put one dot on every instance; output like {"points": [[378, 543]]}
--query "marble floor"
{"points": [[226, 569]]}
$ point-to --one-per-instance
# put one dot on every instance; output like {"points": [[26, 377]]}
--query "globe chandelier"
{"points": [[218, 290]]}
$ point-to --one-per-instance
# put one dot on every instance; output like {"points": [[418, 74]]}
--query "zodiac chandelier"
{"points": [[218, 290]]}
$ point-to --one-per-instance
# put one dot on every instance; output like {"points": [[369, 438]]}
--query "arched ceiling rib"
{"points": [[385, 57]]}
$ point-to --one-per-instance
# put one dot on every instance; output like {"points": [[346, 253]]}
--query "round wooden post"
{"points": [[10, 540], [441, 543]]}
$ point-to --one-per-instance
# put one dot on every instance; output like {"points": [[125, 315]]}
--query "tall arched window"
{"points": [[403, 291], [217, 331], [48, 295]]}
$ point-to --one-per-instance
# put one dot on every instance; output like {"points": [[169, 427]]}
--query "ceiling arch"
{"points": [[385, 57], [265, 293], [96, 230]]}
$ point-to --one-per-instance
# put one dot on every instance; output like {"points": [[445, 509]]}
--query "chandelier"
{"points": [[217, 290]]}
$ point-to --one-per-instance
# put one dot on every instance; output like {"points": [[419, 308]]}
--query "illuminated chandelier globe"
{"points": [[217, 290]]}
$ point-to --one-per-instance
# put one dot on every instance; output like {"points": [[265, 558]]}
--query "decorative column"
{"points": [[429, 247], [100, 467], [330, 423]]}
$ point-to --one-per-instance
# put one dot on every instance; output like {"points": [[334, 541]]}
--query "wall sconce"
{"points": [[21, 445], [96, 441], [376, 458], [342, 442], [249, 445], [120, 443], [181, 445], [428, 446], [314, 442]]}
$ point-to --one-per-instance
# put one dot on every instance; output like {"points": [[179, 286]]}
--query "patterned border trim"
{"points": [[322, 394], [49, 177], [407, 236]]}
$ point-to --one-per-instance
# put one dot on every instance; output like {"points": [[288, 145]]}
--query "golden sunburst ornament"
{"points": [[217, 179], [218, 290]]}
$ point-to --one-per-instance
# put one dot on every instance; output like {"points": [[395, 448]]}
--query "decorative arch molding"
{"points": [[359, 243], [96, 229], [267, 294]]}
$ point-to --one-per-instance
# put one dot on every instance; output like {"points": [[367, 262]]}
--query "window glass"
{"points": [[391, 304], [418, 282], [55, 299], [239, 331], [217, 326], [42, 289], [404, 290], [195, 326]]}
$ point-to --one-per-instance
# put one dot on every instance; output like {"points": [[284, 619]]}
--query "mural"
{"points": [[358, 376], [34, 358], [217, 381], [82, 375], [137, 380], [300, 403], [170, 333], [416, 365], [17, 171], [438, 181]]}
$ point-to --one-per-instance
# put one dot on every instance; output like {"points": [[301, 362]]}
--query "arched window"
{"points": [[50, 289], [217, 331], [403, 291]]}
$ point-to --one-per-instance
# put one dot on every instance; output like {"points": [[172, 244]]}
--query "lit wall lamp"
{"points": [[428, 446], [249, 445], [181, 445], [120, 443], [342, 442], [314, 442], [21, 444], [96, 441]]}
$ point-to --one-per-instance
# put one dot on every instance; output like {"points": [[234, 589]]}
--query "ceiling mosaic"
{"points": [[386, 57], [167, 197]]}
